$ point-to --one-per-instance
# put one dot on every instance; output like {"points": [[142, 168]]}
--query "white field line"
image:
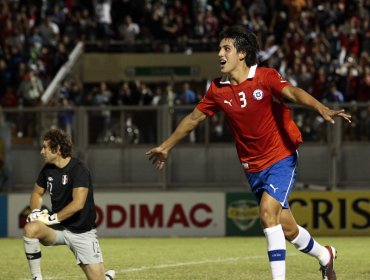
{"points": [[171, 265]]}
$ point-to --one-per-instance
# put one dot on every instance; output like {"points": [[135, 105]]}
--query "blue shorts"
{"points": [[277, 180]]}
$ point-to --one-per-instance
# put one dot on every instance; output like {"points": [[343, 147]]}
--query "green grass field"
{"points": [[188, 259]]}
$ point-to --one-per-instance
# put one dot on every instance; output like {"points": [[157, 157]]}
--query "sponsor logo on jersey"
{"points": [[64, 179], [228, 102], [50, 179], [258, 94]]}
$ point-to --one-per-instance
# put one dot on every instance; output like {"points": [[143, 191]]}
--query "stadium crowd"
{"points": [[322, 46]]}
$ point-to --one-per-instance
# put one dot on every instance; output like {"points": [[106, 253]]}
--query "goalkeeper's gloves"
{"points": [[34, 215], [48, 219]]}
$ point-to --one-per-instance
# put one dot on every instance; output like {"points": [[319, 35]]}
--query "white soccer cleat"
{"points": [[110, 274]]}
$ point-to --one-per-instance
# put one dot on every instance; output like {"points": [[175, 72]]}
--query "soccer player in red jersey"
{"points": [[266, 140]]}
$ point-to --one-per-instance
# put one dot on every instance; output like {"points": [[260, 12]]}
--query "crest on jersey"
{"points": [[64, 179], [258, 94]]}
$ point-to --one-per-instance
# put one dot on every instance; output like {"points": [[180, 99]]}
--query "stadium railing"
{"points": [[113, 141]]}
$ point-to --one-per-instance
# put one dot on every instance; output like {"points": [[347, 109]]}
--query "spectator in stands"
{"points": [[367, 124], [363, 93], [332, 35], [77, 92], [29, 95], [128, 30], [351, 84], [186, 95], [126, 95], [96, 120], [15, 62], [5, 76], [333, 95], [49, 31], [80, 25], [221, 10], [9, 98], [104, 19], [199, 29], [57, 13], [145, 121], [146, 94], [172, 27], [5, 151], [170, 95], [237, 10], [210, 23], [64, 91], [158, 96], [60, 57], [244, 20], [31, 88], [44, 65], [89, 96], [304, 77], [103, 98], [319, 83], [65, 117], [360, 129], [35, 41]]}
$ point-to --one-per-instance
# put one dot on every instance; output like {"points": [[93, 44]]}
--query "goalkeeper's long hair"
{"points": [[58, 138], [244, 41]]}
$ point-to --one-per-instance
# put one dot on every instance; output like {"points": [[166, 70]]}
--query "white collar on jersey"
{"points": [[252, 71]]}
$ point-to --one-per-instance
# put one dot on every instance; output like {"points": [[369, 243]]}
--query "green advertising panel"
{"points": [[162, 71], [242, 215]]}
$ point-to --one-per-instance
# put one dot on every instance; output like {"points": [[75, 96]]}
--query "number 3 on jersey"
{"points": [[243, 99]]}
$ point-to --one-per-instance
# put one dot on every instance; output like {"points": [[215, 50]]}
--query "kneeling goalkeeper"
{"points": [[72, 221]]}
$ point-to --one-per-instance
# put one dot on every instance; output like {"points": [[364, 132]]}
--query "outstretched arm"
{"points": [[159, 155], [299, 96]]}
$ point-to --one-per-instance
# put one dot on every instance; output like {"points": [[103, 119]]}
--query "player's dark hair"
{"points": [[244, 41], [58, 138]]}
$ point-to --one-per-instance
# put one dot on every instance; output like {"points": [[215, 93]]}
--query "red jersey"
{"points": [[260, 123]]}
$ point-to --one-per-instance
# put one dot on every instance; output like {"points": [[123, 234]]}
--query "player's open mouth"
{"points": [[222, 62]]}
